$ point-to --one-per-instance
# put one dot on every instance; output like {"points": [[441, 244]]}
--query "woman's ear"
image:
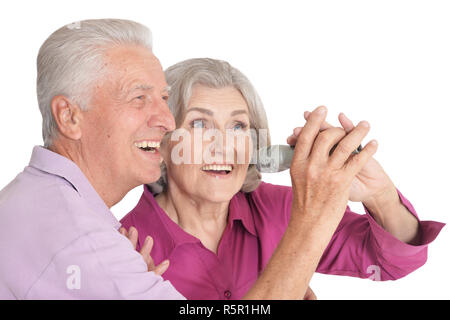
{"points": [[67, 116]]}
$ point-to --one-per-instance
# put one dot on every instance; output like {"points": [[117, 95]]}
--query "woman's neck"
{"points": [[202, 219]]}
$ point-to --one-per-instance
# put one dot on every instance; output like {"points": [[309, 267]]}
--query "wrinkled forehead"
{"points": [[129, 67], [217, 101], [119, 55]]}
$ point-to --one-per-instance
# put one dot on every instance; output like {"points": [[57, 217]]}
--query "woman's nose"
{"points": [[223, 144]]}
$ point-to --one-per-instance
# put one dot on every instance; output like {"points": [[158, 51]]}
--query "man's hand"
{"points": [[145, 251], [373, 187], [371, 181], [321, 182], [320, 188]]}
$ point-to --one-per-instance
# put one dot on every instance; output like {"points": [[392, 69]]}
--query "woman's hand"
{"points": [[371, 181], [145, 251]]}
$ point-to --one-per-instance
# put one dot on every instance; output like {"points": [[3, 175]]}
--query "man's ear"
{"points": [[68, 117]]}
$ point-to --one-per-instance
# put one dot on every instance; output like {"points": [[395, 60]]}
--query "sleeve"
{"points": [[100, 265], [360, 247]]}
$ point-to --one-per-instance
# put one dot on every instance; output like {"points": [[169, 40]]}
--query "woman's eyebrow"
{"points": [[210, 113], [235, 112], [202, 110]]}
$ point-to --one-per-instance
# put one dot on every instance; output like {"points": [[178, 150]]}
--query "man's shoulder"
{"points": [[32, 192], [31, 187], [43, 213], [40, 216], [38, 195]]}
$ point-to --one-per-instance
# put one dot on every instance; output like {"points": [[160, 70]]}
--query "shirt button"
{"points": [[227, 294]]}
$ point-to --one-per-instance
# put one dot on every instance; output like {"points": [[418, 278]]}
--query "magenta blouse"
{"points": [[256, 223]]}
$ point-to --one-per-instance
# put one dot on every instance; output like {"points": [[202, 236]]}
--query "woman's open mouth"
{"points": [[218, 169]]}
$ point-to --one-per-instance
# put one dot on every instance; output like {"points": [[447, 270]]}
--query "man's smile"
{"points": [[148, 145]]}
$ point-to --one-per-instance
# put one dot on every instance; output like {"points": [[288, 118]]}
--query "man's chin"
{"points": [[151, 176]]}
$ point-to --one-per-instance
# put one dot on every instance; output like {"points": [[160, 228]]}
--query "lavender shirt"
{"points": [[256, 223], [59, 240]]}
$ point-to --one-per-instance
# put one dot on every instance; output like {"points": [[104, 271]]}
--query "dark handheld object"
{"points": [[279, 157]]}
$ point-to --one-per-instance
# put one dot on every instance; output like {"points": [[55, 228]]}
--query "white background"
{"points": [[387, 62]]}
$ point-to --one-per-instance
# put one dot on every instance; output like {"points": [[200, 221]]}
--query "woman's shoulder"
{"points": [[148, 218], [145, 215], [271, 193], [270, 206], [271, 201]]}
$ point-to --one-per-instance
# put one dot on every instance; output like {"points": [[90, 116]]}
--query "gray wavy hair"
{"points": [[70, 61], [181, 78]]}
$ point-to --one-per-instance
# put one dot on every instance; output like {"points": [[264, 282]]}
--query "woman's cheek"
{"points": [[180, 151], [246, 151]]}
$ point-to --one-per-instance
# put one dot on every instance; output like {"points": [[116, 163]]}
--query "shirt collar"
{"points": [[56, 164], [240, 210]]}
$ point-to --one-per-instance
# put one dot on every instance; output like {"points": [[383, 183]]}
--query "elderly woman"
{"points": [[219, 224]]}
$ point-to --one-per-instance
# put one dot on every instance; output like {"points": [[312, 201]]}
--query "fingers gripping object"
{"points": [[278, 158]]}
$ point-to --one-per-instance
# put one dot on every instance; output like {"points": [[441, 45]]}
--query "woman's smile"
{"points": [[218, 171]]}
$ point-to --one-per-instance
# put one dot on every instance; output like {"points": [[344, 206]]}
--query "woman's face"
{"points": [[210, 159]]}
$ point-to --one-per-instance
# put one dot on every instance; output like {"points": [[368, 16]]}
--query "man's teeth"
{"points": [[216, 167], [151, 145]]}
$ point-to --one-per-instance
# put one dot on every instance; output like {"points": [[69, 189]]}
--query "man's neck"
{"points": [[103, 184]]}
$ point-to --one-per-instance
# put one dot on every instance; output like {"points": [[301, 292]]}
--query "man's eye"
{"points": [[165, 98], [198, 124], [141, 97]]}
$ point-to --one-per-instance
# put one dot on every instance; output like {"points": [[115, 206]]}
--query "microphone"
{"points": [[278, 158]]}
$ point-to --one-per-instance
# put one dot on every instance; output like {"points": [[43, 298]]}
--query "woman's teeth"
{"points": [[150, 146], [216, 167]]}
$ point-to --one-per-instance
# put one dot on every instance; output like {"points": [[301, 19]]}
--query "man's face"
{"points": [[127, 116]]}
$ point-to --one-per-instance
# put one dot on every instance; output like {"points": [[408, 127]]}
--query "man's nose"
{"points": [[161, 116]]}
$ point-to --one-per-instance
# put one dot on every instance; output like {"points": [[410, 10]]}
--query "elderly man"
{"points": [[102, 95], [101, 91]]}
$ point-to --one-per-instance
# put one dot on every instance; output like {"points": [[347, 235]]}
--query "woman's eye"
{"points": [[198, 124], [141, 97], [239, 126], [165, 98]]}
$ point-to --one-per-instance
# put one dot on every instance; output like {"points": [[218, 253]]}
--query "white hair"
{"points": [[70, 62], [182, 77]]}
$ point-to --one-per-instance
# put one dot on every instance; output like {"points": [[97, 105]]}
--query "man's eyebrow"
{"points": [[168, 88], [202, 110], [147, 87], [141, 87]]}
